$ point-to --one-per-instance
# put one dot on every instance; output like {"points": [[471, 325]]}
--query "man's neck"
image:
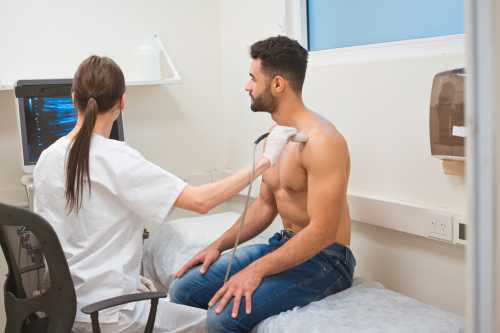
{"points": [[289, 112]]}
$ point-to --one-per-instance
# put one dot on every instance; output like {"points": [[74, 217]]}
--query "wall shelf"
{"points": [[175, 78], [165, 82]]}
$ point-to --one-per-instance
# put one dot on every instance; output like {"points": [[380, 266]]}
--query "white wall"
{"points": [[242, 23], [382, 109], [50, 38]]}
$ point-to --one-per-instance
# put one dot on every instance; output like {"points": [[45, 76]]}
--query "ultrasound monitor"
{"points": [[46, 113]]}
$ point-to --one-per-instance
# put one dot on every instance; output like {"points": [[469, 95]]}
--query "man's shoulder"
{"points": [[325, 145], [324, 134]]}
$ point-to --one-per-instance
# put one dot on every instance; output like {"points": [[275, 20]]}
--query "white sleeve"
{"points": [[148, 190]]}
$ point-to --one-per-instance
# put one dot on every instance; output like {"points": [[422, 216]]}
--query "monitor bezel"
{"points": [[44, 88]]}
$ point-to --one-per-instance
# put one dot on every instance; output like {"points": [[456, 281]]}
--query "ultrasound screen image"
{"points": [[47, 119]]}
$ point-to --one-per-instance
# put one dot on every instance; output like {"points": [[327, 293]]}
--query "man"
{"points": [[310, 258]]}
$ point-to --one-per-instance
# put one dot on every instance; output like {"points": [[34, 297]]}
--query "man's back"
{"points": [[287, 182]]}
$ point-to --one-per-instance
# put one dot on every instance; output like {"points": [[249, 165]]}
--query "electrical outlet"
{"points": [[459, 230], [441, 227]]}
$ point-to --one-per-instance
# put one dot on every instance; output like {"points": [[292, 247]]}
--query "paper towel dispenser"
{"points": [[447, 131]]}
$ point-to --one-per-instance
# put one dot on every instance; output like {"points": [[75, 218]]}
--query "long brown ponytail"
{"points": [[98, 86]]}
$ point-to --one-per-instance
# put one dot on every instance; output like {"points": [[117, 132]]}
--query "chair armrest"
{"points": [[115, 301]]}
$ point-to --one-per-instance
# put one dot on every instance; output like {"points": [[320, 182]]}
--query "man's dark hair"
{"points": [[282, 56]]}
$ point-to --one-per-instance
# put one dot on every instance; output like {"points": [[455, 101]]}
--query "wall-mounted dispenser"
{"points": [[447, 131]]}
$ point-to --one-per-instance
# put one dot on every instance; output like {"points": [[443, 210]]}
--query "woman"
{"points": [[98, 193]]}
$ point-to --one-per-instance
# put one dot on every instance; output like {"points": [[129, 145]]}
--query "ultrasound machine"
{"points": [[46, 113]]}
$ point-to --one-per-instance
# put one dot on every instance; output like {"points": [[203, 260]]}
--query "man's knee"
{"points": [[181, 290], [177, 293], [223, 322]]}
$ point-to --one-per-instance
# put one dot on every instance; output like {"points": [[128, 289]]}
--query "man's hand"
{"points": [[242, 284], [205, 257]]}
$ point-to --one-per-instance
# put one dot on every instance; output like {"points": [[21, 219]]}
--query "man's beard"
{"points": [[264, 103]]}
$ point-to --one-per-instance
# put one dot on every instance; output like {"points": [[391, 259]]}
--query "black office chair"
{"points": [[39, 293]]}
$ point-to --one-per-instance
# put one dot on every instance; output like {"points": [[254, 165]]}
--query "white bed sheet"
{"points": [[366, 307]]}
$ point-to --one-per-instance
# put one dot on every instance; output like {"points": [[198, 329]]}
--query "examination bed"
{"points": [[366, 307]]}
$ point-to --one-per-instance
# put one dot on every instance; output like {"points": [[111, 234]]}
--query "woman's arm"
{"points": [[203, 198]]}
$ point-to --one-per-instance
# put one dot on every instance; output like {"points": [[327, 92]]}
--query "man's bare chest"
{"points": [[288, 174]]}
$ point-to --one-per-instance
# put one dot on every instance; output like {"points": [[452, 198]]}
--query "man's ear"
{"points": [[278, 85]]}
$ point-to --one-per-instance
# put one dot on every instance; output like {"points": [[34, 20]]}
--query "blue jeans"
{"points": [[329, 272]]}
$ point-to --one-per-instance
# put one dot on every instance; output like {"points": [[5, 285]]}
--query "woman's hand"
{"points": [[146, 285], [276, 141]]}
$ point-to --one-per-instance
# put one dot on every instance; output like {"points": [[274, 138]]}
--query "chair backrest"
{"points": [[38, 286]]}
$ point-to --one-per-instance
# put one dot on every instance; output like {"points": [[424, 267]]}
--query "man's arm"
{"points": [[260, 215], [325, 159]]}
